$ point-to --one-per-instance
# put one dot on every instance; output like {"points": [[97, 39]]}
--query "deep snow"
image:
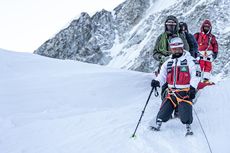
{"points": [[61, 106]]}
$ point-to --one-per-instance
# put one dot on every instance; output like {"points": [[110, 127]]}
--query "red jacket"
{"points": [[203, 39]]}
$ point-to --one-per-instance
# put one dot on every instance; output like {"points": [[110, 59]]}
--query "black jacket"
{"points": [[193, 46]]}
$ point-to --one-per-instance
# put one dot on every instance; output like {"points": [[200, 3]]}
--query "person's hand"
{"points": [[163, 58], [155, 83], [192, 92]]}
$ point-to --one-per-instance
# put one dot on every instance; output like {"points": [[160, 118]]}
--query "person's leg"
{"points": [[207, 70], [185, 113], [202, 66], [164, 113]]}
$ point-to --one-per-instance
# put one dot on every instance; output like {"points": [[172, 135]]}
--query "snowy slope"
{"points": [[55, 106]]}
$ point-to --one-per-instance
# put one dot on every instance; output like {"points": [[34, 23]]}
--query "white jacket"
{"points": [[192, 64]]}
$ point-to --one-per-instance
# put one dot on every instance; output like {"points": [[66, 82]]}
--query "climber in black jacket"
{"points": [[193, 46]]}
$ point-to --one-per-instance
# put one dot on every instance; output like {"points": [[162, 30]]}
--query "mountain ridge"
{"points": [[125, 37]]}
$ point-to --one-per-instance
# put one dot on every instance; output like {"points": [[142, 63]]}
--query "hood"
{"points": [[184, 25], [171, 17], [206, 22]]}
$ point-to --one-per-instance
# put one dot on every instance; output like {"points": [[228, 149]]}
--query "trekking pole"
{"points": [[209, 146], [142, 113]]}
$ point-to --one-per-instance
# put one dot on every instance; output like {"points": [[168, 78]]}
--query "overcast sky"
{"points": [[26, 24]]}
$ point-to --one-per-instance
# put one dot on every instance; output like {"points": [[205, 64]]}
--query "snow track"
{"points": [[55, 106]]}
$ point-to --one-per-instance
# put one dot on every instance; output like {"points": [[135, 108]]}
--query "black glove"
{"points": [[155, 83], [192, 92], [214, 55]]}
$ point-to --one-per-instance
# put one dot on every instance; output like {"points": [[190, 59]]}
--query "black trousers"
{"points": [[184, 111]]}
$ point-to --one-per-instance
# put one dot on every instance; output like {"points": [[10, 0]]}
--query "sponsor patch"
{"points": [[184, 69], [184, 62], [198, 73]]}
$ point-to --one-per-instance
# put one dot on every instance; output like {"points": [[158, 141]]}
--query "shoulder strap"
{"points": [[209, 41]]}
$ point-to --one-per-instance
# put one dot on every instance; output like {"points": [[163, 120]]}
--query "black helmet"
{"points": [[183, 27]]}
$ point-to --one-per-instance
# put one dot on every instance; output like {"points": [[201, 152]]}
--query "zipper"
{"points": [[178, 73], [175, 73]]}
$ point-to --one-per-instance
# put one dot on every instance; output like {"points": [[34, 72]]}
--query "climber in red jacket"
{"points": [[208, 49]]}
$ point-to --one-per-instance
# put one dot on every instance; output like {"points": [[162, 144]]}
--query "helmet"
{"points": [[176, 43]]}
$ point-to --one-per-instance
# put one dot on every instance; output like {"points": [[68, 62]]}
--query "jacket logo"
{"points": [[183, 69]]}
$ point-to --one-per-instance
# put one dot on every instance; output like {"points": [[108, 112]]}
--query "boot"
{"points": [[189, 131], [206, 80], [158, 125]]}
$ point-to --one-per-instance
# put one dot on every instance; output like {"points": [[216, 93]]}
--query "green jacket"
{"points": [[162, 50]]}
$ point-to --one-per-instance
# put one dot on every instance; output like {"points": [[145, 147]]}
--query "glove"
{"points": [[214, 55], [197, 54], [192, 92], [155, 83], [163, 58]]}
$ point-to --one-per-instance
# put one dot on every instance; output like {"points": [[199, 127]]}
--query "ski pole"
{"points": [[142, 113]]}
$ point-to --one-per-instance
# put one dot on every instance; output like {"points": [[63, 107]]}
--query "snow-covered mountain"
{"points": [[125, 37], [65, 106]]}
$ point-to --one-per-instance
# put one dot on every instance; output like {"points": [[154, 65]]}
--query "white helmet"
{"points": [[176, 43]]}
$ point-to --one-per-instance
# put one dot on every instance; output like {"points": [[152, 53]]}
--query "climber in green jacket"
{"points": [[161, 50]]}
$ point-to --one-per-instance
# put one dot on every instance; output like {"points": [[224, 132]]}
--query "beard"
{"points": [[176, 55], [206, 30], [171, 29]]}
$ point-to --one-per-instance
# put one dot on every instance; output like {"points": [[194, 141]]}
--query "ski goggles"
{"points": [[170, 22], [176, 45], [181, 23]]}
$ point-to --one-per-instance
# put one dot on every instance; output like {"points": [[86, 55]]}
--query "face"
{"points": [[182, 28], [177, 51], [170, 26], [206, 28]]}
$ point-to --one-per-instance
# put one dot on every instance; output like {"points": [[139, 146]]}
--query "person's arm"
{"points": [[195, 46], [195, 72], [156, 52], [186, 45], [214, 44], [215, 47], [196, 36], [163, 74]]}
